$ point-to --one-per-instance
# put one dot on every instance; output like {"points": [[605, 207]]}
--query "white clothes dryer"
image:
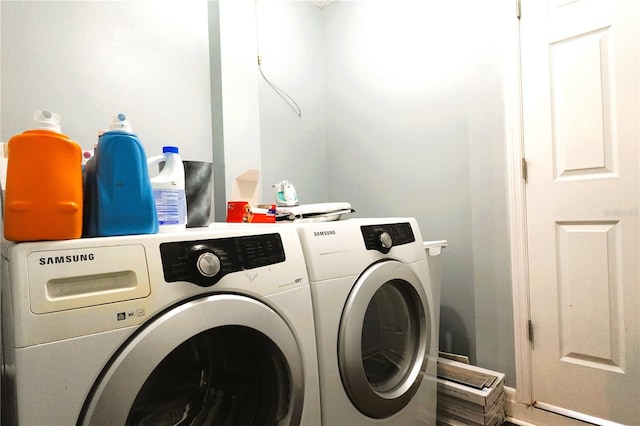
{"points": [[374, 318], [206, 326]]}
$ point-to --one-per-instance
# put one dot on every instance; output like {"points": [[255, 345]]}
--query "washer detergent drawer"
{"points": [[76, 278]]}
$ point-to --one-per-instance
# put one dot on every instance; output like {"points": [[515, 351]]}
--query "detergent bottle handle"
{"points": [[154, 161]]}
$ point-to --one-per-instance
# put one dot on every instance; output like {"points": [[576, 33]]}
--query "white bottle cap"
{"points": [[120, 122], [46, 120]]}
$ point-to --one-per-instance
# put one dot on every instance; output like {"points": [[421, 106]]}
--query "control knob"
{"points": [[385, 240], [208, 264]]}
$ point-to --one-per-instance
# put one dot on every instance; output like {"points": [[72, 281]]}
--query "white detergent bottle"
{"points": [[168, 190]]}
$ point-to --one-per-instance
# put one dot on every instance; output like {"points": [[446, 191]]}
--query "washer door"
{"points": [[223, 359], [384, 338]]}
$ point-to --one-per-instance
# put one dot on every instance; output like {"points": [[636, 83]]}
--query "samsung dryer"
{"points": [[206, 326], [374, 318]]}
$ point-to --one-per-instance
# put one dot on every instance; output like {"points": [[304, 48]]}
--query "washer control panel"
{"points": [[205, 262], [384, 237]]}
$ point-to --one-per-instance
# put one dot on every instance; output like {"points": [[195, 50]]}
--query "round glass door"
{"points": [[385, 335], [219, 360], [227, 375]]}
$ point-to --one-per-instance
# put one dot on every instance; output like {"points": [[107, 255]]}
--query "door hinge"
{"points": [[518, 9], [525, 170], [530, 331]]}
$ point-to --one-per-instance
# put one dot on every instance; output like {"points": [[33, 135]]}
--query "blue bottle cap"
{"points": [[170, 149]]}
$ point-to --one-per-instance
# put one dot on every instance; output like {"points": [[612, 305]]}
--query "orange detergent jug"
{"points": [[43, 197]]}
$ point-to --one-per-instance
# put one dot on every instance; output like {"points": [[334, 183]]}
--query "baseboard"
{"points": [[528, 415]]}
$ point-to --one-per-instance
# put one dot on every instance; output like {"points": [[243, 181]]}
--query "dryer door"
{"points": [[384, 339], [223, 359]]}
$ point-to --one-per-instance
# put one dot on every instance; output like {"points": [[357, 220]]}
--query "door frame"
{"points": [[517, 209]]}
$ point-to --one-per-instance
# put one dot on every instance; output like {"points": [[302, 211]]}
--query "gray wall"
{"points": [[414, 126], [89, 60], [398, 134], [291, 39]]}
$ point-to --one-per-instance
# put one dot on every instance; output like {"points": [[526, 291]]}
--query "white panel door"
{"points": [[580, 112]]}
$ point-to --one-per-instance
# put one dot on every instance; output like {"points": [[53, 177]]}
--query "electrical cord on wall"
{"points": [[288, 99], [285, 97]]}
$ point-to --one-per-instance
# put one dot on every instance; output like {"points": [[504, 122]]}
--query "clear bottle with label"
{"points": [[119, 195], [43, 198], [169, 190]]}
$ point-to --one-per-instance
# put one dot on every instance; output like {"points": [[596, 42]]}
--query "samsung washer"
{"points": [[210, 326], [374, 317]]}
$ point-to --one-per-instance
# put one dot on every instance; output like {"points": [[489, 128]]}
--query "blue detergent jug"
{"points": [[118, 193]]}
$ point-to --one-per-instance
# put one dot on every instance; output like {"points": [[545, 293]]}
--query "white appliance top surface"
{"points": [[63, 289], [337, 249]]}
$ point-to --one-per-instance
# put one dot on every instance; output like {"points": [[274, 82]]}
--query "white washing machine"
{"points": [[210, 326], [375, 326]]}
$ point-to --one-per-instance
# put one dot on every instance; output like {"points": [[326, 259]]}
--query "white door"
{"points": [[581, 119]]}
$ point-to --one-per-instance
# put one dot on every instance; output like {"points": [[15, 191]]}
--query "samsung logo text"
{"points": [[70, 258], [323, 233]]}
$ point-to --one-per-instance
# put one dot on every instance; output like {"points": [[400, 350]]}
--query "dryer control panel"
{"points": [[205, 262], [383, 237]]}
